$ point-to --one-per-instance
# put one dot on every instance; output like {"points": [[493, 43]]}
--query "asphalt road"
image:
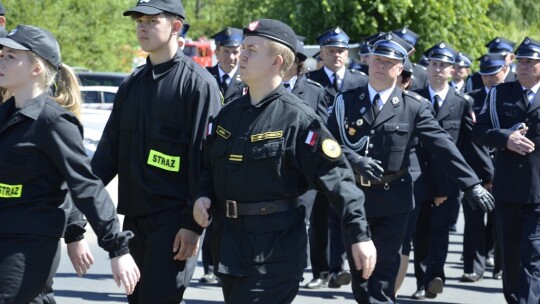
{"points": [[98, 286]]}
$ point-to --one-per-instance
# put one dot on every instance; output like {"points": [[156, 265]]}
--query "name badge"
{"points": [[10, 191], [164, 161]]}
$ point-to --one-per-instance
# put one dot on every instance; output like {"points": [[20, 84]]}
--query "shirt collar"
{"points": [[534, 89], [292, 82], [442, 94], [384, 94], [231, 74], [330, 73]]}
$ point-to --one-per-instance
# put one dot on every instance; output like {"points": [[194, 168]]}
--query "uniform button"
{"points": [[520, 165], [397, 127], [372, 132], [371, 145], [526, 120]]}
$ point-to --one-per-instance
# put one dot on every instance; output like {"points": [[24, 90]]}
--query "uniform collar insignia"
{"points": [[395, 101], [362, 96]]}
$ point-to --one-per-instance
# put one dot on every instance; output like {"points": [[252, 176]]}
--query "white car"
{"points": [[98, 97]]}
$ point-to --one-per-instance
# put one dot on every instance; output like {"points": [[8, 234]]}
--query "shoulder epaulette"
{"points": [[313, 82], [414, 95], [355, 71]]}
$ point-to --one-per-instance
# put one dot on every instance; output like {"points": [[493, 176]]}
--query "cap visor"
{"points": [[387, 54], [12, 44], [490, 70], [142, 9], [337, 44]]}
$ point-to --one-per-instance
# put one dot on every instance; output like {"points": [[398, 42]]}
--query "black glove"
{"points": [[368, 167], [477, 196]]}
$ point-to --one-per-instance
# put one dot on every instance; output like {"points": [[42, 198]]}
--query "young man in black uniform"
{"points": [[453, 111], [324, 228], [267, 148], [228, 44], [462, 69], [153, 141], [510, 122], [376, 125]]}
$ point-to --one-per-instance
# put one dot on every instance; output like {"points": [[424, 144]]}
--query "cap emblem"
{"points": [[228, 32], [404, 31], [144, 1], [527, 41], [337, 31], [388, 37], [497, 40], [253, 25], [442, 45]]}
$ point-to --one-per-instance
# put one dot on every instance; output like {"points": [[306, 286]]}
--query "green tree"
{"points": [[91, 34]]}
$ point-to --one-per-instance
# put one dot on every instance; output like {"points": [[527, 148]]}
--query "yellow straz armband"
{"points": [[10, 191], [164, 161]]}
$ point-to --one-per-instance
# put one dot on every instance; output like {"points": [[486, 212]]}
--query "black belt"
{"points": [[386, 179], [233, 209]]}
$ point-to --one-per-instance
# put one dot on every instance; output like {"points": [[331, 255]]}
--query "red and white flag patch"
{"points": [[311, 138]]}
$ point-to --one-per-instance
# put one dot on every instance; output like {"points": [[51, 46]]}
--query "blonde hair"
{"points": [[64, 83], [286, 53]]}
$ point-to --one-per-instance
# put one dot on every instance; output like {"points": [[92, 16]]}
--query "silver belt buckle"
{"points": [[231, 211], [365, 182]]}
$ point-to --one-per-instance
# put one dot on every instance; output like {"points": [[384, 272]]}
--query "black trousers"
{"points": [[27, 263], [387, 234], [261, 289], [163, 280], [518, 229], [474, 240]]}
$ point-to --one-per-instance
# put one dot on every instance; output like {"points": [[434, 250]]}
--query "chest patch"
{"points": [[10, 191], [164, 161], [267, 135]]}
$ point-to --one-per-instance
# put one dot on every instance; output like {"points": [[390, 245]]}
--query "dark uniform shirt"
{"points": [[517, 179], [267, 152], [154, 136], [41, 147], [404, 116]]}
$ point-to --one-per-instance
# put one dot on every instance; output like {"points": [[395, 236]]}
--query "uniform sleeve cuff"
{"points": [[119, 252]]}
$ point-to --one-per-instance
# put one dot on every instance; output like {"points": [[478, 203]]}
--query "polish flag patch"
{"points": [[253, 25], [311, 138]]}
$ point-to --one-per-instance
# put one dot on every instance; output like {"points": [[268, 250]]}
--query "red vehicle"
{"points": [[200, 51]]}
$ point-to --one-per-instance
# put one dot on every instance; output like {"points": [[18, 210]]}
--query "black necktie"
{"points": [[528, 96], [436, 104], [336, 83], [223, 85], [375, 105], [287, 85]]}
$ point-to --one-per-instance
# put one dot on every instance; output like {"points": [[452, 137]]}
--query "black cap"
{"points": [[407, 35], [334, 37], [500, 45], [300, 48], [2, 9], [229, 36], [529, 48], [442, 52], [491, 63], [185, 29], [392, 46], [36, 40], [154, 7], [274, 30], [463, 60]]}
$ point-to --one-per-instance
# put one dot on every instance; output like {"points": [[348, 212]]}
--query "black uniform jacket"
{"points": [[474, 82], [312, 93], [153, 138], [41, 147], [419, 77], [352, 80], [266, 152], [457, 118], [517, 179], [236, 87], [391, 135]]}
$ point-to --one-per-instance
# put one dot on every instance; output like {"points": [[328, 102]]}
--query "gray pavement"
{"points": [[98, 285]]}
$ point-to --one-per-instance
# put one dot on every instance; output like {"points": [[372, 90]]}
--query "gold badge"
{"points": [[331, 148], [359, 122], [352, 131]]}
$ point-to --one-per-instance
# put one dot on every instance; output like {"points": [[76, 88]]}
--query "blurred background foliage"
{"points": [[95, 35]]}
